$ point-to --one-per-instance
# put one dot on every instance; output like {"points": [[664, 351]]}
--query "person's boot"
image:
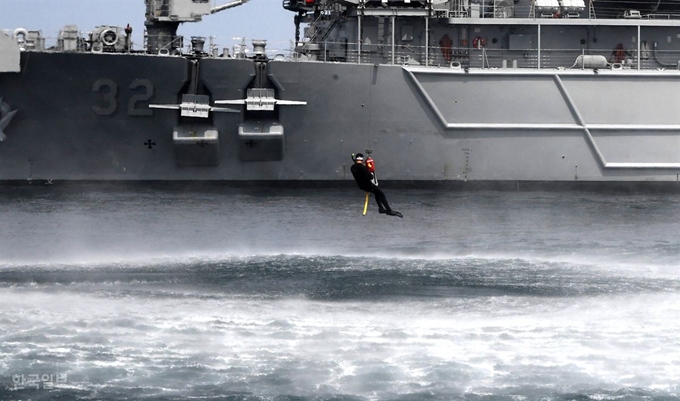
{"points": [[394, 213]]}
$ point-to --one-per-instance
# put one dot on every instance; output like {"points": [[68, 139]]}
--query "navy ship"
{"points": [[458, 91]]}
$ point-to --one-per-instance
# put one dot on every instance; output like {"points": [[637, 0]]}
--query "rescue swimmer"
{"points": [[364, 175]]}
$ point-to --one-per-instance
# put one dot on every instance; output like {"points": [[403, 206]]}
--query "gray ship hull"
{"points": [[79, 115], [443, 124], [87, 117]]}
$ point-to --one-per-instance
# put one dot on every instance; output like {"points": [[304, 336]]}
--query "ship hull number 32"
{"points": [[107, 100]]}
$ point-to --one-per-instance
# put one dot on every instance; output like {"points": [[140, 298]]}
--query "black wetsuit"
{"points": [[364, 179]]}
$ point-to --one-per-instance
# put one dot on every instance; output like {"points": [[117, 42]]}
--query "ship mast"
{"points": [[164, 16]]}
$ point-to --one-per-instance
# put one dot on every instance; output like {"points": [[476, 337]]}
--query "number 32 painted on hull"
{"points": [[107, 92]]}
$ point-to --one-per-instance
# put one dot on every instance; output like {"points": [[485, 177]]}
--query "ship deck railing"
{"points": [[479, 58], [544, 9]]}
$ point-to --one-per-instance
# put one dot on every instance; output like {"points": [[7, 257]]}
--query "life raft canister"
{"points": [[370, 164]]}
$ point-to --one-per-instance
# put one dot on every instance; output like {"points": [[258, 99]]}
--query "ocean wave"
{"points": [[341, 277]]}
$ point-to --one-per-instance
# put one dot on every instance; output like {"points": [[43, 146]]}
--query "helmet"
{"points": [[359, 156]]}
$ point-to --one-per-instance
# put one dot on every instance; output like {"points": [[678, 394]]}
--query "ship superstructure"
{"points": [[460, 90]]}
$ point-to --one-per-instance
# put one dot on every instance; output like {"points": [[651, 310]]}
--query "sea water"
{"points": [[292, 294]]}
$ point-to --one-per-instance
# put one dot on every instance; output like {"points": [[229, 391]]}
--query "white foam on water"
{"points": [[361, 348], [167, 336]]}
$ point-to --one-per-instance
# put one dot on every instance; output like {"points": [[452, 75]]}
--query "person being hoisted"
{"points": [[364, 175]]}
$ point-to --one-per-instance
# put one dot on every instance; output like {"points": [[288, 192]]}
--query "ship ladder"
{"points": [[317, 34]]}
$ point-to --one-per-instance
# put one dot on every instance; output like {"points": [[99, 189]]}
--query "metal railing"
{"points": [[466, 57]]}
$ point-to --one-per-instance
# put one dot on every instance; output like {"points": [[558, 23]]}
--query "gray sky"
{"points": [[257, 19]]}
